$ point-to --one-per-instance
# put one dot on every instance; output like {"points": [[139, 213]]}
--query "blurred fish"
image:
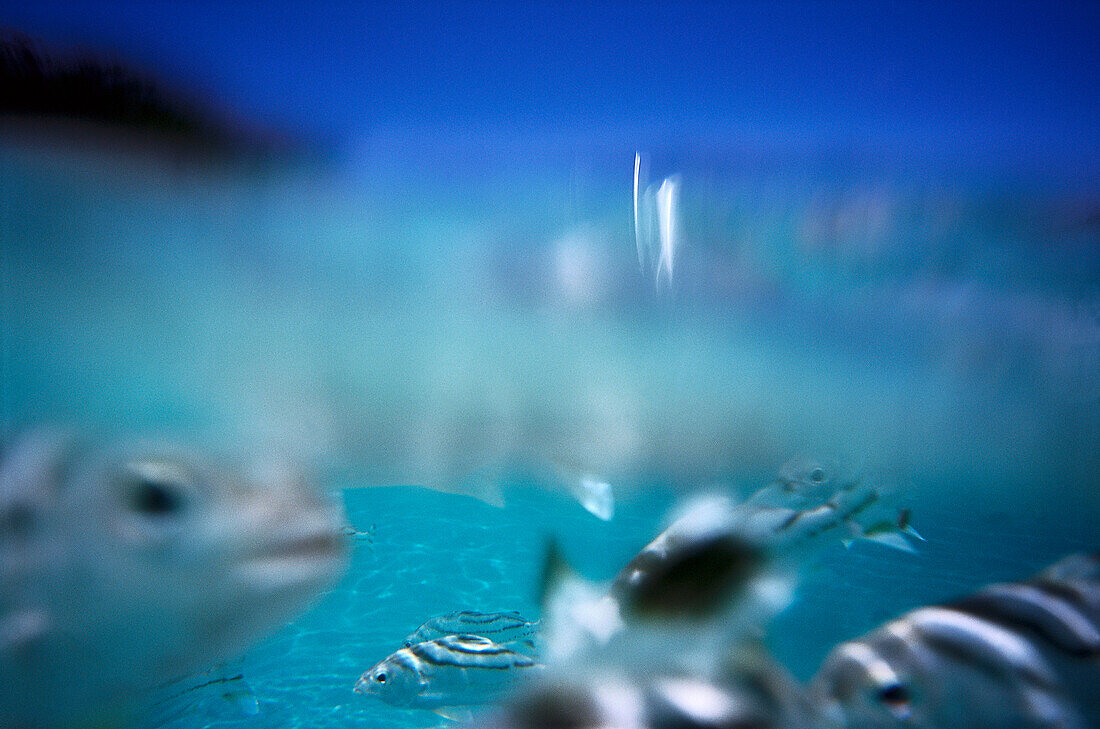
{"points": [[501, 628], [129, 565], [756, 694], [219, 693], [714, 578], [357, 536], [452, 671], [814, 486], [1022, 655], [676, 639], [806, 481], [717, 547]]}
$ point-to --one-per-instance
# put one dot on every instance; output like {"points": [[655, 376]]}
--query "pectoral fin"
{"points": [[455, 713], [894, 540], [595, 496], [913, 533]]}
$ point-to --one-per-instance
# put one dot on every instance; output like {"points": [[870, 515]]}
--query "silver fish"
{"points": [[806, 481], [1023, 655], [753, 691], [501, 628], [455, 670], [718, 547], [126, 566], [714, 578]]}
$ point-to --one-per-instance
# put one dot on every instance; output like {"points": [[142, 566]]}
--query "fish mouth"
{"points": [[301, 562], [320, 544]]}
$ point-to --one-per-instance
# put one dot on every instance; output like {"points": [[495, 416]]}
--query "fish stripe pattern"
{"points": [[1031, 607], [1021, 654], [467, 651], [499, 627]]}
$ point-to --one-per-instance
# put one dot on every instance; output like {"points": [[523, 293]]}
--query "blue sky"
{"points": [[1015, 81]]}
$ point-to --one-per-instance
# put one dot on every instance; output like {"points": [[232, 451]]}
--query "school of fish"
{"points": [[133, 572], [676, 638]]}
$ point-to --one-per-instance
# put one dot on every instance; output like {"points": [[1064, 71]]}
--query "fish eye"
{"points": [[817, 475], [155, 490], [18, 519], [380, 677], [897, 699]]}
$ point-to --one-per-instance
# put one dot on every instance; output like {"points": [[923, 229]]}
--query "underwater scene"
{"points": [[449, 365]]}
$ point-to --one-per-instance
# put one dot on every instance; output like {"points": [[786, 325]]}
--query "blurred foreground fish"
{"points": [[501, 628], [676, 640], [755, 694], [1023, 655], [126, 566], [714, 578], [448, 672]]}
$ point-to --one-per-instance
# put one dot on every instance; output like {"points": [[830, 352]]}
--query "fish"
{"points": [[131, 562], [360, 536], [501, 628], [452, 671], [715, 577], [806, 482], [1023, 654], [219, 692], [718, 546], [676, 638], [757, 693]]}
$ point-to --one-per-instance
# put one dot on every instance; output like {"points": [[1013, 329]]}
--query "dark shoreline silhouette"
{"points": [[90, 98]]}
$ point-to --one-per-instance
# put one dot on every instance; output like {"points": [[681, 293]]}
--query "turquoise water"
{"points": [[434, 553], [455, 324]]}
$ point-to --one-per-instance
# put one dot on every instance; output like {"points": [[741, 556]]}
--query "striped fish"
{"points": [[805, 482], [501, 628], [713, 579], [1024, 655], [455, 670], [220, 693], [718, 553]]}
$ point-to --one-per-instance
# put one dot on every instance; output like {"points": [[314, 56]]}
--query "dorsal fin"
{"points": [[555, 569]]}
